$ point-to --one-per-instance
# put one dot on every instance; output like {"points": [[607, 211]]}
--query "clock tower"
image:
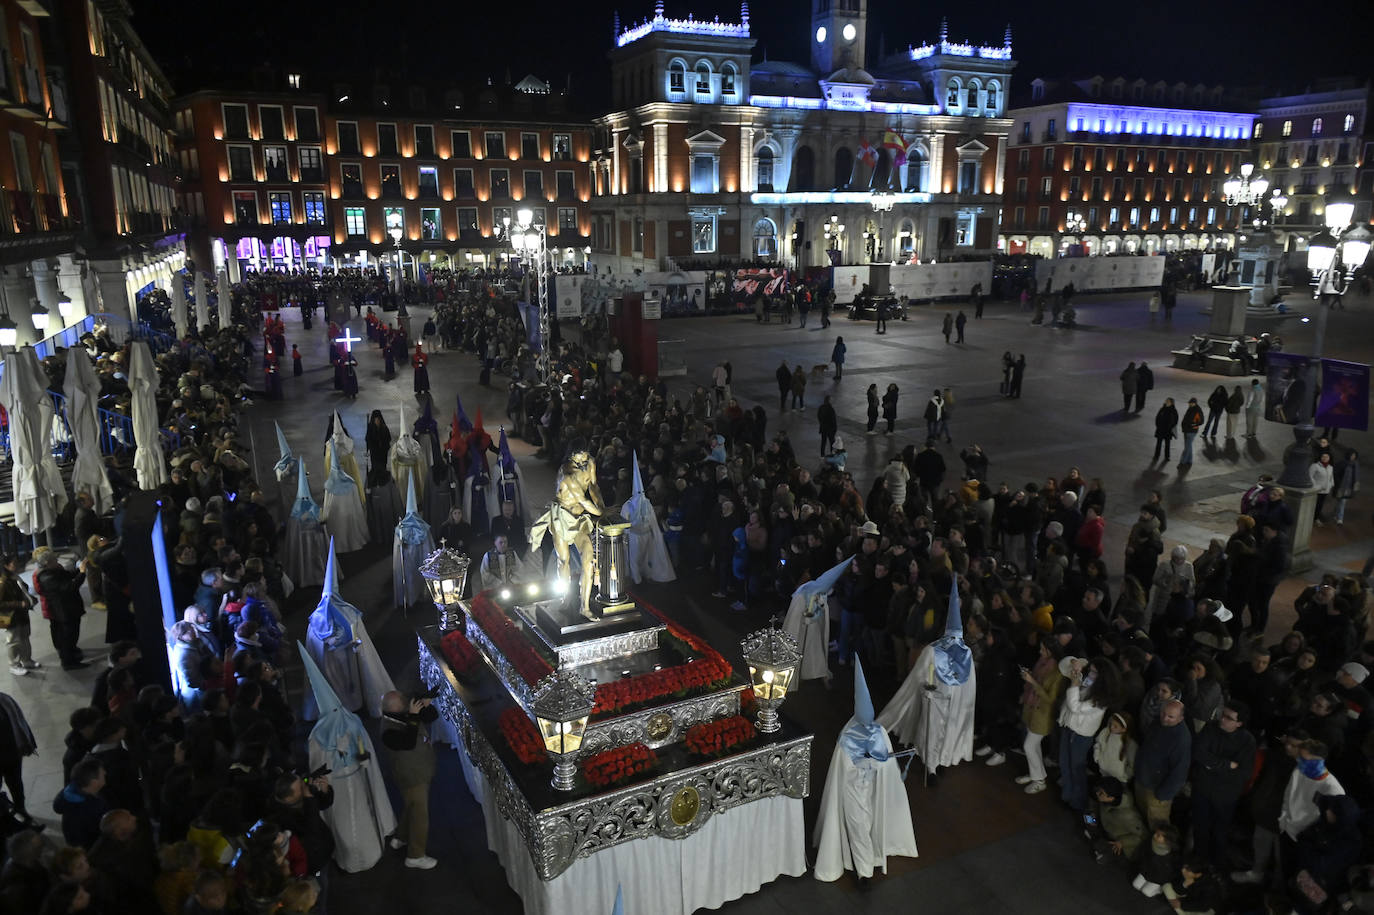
{"points": [[838, 31]]}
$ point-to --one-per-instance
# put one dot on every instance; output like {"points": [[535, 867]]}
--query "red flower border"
{"points": [[610, 767], [459, 653], [716, 738], [522, 736], [509, 640]]}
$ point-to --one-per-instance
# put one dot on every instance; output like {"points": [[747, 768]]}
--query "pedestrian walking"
{"points": [[872, 409], [977, 297], [1216, 408], [1234, 404], [1130, 379], [946, 413], [890, 407], [1018, 374], [1347, 483], [14, 617], [1166, 427], [825, 309], [829, 423], [296, 369], [1190, 423], [947, 326], [1008, 362], [1323, 480], [1254, 407], [934, 409], [837, 356], [784, 378], [803, 307], [959, 324], [880, 317], [798, 389], [1144, 384]]}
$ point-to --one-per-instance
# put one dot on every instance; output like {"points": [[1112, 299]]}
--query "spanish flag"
{"points": [[893, 141]]}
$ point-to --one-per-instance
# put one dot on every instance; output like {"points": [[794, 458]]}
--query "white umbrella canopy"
{"points": [[179, 305], [225, 313], [83, 397], [202, 302], [39, 494], [149, 462]]}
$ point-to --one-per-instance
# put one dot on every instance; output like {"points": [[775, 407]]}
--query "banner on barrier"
{"points": [[1098, 273], [1344, 399], [918, 282]]}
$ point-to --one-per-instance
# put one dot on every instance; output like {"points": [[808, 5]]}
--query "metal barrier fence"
{"points": [[672, 358]]}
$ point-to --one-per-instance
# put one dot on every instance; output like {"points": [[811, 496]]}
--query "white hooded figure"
{"points": [[337, 640], [648, 553], [305, 545], [865, 816], [933, 709], [410, 547], [286, 463], [408, 460], [343, 511], [361, 816], [808, 621], [338, 441]]}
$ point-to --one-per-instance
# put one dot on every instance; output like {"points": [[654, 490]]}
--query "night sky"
{"points": [[1251, 44]]}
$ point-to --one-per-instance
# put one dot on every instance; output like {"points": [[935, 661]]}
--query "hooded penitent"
{"points": [[808, 621]]}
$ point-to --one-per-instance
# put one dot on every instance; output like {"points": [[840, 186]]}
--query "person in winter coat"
{"points": [[1223, 761], [829, 424], [1144, 384], [1234, 404], [935, 408], [1173, 580], [60, 590], [872, 395], [1130, 379], [947, 326], [1189, 424], [1323, 479], [1118, 830], [837, 357], [1161, 763], [1044, 683], [896, 474], [1166, 426], [798, 389], [1346, 482], [890, 407], [1216, 408], [1254, 407], [784, 378], [1114, 748]]}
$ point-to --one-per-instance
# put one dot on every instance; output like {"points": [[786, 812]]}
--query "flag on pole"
{"points": [[867, 154], [893, 141]]}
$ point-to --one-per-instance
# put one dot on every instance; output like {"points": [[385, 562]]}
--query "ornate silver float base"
{"points": [[674, 805]]}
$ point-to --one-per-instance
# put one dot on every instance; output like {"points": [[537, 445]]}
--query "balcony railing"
{"points": [[353, 190], [312, 174]]}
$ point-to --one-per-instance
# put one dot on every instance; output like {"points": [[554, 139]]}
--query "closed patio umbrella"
{"points": [[83, 396], [225, 314], [202, 302], [179, 305], [149, 462], [38, 491]]}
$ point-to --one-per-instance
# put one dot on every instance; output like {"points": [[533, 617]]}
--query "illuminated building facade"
{"points": [[294, 179], [1123, 167], [1312, 145], [709, 157]]}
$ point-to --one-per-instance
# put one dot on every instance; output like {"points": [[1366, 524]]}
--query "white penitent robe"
{"points": [[865, 817], [345, 519], [933, 716], [351, 665], [304, 549], [361, 816], [649, 559], [808, 621]]}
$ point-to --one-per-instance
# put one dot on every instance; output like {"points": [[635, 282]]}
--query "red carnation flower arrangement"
{"points": [[708, 669], [459, 653], [508, 640], [716, 738], [611, 767], [522, 736]]}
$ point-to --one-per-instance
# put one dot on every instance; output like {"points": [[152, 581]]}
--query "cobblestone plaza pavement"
{"points": [[985, 845]]}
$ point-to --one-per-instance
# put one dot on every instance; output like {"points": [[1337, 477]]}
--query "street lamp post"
{"points": [[1075, 225], [834, 231], [395, 229], [882, 205], [1332, 257], [536, 244]]}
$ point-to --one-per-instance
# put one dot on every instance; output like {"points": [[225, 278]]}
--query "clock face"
{"points": [[820, 35], [849, 31]]}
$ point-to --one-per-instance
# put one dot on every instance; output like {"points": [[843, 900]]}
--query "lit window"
{"points": [[355, 221], [704, 234], [765, 169], [704, 175], [429, 182], [765, 240], [703, 78], [1287, 128], [429, 224], [677, 77], [1316, 127], [1259, 130], [567, 219], [314, 208], [1349, 123], [727, 81], [965, 227]]}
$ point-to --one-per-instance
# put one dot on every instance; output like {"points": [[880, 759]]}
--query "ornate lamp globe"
{"points": [[1321, 251], [445, 573], [772, 656], [64, 305], [40, 317], [1355, 247], [1340, 209], [9, 333], [562, 703]]}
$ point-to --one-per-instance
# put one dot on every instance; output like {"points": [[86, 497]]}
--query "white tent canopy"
{"points": [[83, 397], [39, 494], [149, 462]]}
